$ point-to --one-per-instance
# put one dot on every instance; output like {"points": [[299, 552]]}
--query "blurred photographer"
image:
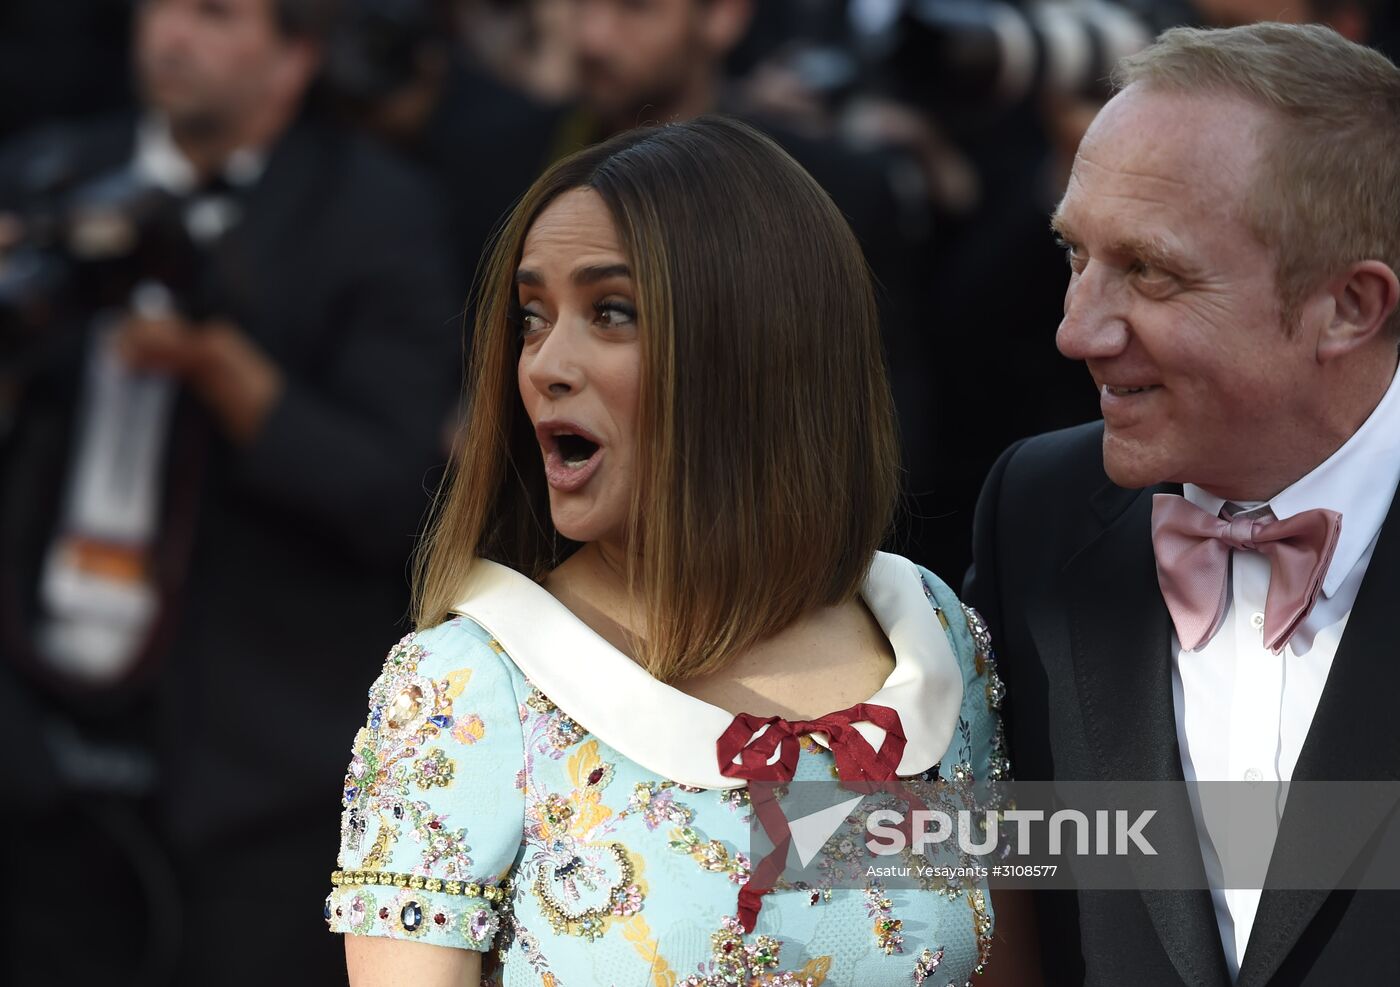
{"points": [[398, 69], [231, 341]]}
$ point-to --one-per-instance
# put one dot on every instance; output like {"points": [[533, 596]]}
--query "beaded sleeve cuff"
{"points": [[461, 914]]}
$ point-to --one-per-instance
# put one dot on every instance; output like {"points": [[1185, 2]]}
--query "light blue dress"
{"points": [[483, 809]]}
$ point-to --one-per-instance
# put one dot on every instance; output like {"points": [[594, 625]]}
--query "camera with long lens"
{"points": [[955, 55], [86, 243]]}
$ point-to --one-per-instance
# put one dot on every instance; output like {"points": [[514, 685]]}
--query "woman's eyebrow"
{"points": [[592, 274]]}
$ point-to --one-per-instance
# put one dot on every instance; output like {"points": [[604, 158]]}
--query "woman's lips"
{"points": [[568, 477], [561, 474]]}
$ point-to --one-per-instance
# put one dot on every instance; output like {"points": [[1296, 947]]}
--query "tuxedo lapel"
{"points": [[1120, 636], [1352, 737]]}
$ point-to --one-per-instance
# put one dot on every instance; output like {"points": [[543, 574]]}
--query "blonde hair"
{"points": [[767, 451], [1328, 188]]}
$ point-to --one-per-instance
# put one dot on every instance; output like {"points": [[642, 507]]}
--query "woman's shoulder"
{"points": [[979, 746], [964, 625], [971, 641], [456, 647]]}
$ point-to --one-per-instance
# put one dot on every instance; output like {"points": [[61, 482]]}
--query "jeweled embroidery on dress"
{"points": [[711, 855], [574, 836], [559, 730], [889, 937], [982, 926], [926, 964], [530, 948], [735, 962], [407, 710], [985, 657], [581, 877], [656, 803]]}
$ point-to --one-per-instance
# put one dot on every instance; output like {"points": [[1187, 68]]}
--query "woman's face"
{"points": [[580, 360]]}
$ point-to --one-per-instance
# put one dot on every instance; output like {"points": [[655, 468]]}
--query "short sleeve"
{"points": [[979, 742], [977, 755], [432, 816]]}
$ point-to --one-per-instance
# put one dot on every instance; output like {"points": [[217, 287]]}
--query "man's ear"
{"points": [[1361, 300], [298, 70], [724, 24]]}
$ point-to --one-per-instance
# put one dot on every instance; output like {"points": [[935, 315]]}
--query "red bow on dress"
{"points": [[856, 761]]}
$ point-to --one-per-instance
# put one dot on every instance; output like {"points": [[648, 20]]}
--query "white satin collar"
{"points": [[673, 734]]}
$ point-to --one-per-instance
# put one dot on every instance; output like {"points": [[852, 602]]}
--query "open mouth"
{"points": [[572, 454], [574, 450]]}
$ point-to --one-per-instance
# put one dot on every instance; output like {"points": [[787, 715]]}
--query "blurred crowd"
{"points": [[237, 243]]}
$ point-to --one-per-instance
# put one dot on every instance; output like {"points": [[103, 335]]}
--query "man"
{"points": [[394, 67], [1232, 224], [652, 61], [207, 499]]}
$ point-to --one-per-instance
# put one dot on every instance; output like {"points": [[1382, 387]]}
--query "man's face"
{"points": [[1172, 301], [209, 63], [635, 55]]}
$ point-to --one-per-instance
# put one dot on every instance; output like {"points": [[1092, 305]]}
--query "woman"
{"points": [[680, 459]]}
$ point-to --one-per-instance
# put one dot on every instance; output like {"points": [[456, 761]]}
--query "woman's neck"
{"points": [[592, 584]]}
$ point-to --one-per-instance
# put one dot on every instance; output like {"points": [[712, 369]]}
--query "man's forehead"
{"points": [[1149, 152]]}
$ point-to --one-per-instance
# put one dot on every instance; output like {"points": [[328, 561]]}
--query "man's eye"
{"points": [[1150, 273], [1072, 253]]}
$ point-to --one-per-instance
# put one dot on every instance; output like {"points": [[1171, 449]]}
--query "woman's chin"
{"points": [[584, 528]]}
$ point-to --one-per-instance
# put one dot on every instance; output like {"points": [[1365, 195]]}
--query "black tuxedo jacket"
{"points": [[1065, 575]]}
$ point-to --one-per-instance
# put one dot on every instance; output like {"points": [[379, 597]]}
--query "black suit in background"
{"points": [[1065, 575], [284, 565]]}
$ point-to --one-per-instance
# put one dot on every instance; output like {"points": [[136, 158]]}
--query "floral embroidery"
{"points": [[711, 855], [999, 764], [927, 963], [583, 866], [378, 854], [581, 879], [888, 935], [469, 730], [657, 804], [736, 799], [434, 770], [560, 730], [985, 657], [982, 926], [406, 711], [623, 897], [530, 948], [736, 962]]}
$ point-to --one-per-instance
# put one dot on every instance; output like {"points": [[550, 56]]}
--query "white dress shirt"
{"points": [[1243, 712]]}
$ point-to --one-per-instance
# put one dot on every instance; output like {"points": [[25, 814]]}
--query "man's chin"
{"points": [[1129, 465]]}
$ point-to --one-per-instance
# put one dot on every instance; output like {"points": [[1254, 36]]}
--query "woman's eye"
{"points": [[615, 313], [531, 323]]}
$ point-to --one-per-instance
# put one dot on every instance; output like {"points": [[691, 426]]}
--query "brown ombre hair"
{"points": [[766, 446]]}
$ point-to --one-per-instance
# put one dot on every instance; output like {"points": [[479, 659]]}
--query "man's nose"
{"points": [[166, 26], [595, 25], [1095, 323]]}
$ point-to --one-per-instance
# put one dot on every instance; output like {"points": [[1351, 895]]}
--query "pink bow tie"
{"points": [[1193, 566]]}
